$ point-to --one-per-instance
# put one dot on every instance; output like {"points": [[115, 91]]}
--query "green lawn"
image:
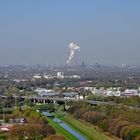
{"points": [[61, 131], [88, 131]]}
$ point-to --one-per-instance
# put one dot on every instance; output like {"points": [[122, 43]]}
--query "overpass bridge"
{"points": [[37, 99]]}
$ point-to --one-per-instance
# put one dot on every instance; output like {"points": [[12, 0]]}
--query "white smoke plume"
{"points": [[73, 47]]}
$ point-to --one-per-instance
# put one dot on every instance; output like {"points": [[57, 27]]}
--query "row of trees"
{"points": [[36, 127], [30, 131], [119, 121]]}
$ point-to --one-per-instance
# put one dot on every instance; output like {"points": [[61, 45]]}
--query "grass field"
{"points": [[61, 131], [88, 131]]}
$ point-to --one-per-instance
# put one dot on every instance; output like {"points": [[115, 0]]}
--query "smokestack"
{"points": [[73, 47]]}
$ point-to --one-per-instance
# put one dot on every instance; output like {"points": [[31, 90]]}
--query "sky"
{"points": [[39, 31]]}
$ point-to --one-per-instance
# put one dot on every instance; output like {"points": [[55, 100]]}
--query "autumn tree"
{"points": [[30, 131]]}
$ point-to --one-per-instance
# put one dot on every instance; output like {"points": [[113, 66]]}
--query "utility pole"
{"points": [[3, 112], [15, 102], [103, 106]]}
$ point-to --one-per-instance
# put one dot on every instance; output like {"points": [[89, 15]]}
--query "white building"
{"points": [[37, 76], [60, 75], [48, 76], [44, 92]]}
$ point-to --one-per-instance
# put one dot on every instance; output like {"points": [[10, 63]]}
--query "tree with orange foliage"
{"points": [[30, 131]]}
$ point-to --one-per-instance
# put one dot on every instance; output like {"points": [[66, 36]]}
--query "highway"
{"points": [[55, 99]]}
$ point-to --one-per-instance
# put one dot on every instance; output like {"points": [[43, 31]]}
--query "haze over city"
{"points": [[39, 32], [69, 70]]}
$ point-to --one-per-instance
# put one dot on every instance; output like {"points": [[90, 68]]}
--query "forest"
{"points": [[120, 121]]}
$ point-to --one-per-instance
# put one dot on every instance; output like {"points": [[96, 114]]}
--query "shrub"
{"points": [[119, 127], [93, 117], [104, 125], [135, 133], [126, 132]]}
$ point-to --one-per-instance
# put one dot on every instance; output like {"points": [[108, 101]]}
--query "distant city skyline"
{"points": [[39, 32]]}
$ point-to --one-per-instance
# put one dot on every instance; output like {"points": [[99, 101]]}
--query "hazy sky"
{"points": [[39, 31]]}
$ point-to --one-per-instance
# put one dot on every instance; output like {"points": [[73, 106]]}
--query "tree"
{"points": [[93, 117], [30, 131]]}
